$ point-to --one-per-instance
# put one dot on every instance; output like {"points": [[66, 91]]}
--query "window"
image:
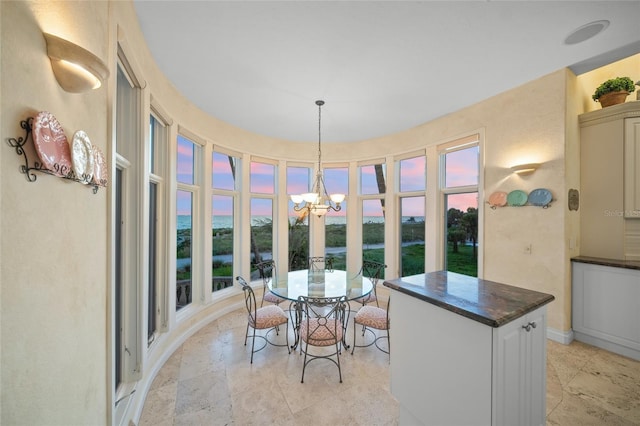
{"points": [[412, 184], [460, 162], [186, 199], [337, 181], [298, 181], [128, 243], [118, 320], [157, 147], [372, 190], [262, 184], [223, 201]]}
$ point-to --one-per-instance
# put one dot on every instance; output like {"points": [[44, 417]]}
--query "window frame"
{"points": [[459, 144], [235, 196], [197, 226], [400, 195]]}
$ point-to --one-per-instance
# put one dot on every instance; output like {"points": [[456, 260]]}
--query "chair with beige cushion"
{"points": [[374, 271], [269, 317], [371, 317], [267, 271], [322, 325]]}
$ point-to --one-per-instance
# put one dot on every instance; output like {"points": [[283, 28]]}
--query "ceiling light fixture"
{"points": [[586, 32], [76, 69], [318, 202]]}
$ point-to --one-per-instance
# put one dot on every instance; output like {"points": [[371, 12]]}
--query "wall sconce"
{"points": [[76, 69], [525, 169]]}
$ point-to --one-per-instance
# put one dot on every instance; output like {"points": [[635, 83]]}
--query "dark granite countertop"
{"points": [[488, 302], [616, 263]]}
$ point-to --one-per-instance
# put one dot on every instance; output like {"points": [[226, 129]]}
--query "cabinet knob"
{"points": [[529, 326]]}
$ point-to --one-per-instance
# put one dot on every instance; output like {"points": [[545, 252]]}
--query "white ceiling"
{"points": [[380, 66]]}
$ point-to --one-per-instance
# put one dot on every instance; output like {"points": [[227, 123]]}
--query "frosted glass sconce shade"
{"points": [[76, 69], [525, 169]]}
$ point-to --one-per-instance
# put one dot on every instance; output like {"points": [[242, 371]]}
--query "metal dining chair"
{"points": [[269, 317], [320, 263], [372, 317], [374, 271], [267, 271], [322, 325]]}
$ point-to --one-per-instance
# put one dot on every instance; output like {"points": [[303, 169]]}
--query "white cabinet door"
{"points": [[520, 371], [632, 168], [606, 307], [537, 353]]}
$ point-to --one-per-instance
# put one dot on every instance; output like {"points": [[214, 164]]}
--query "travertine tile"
{"points": [[210, 380], [169, 372], [214, 416], [202, 392], [261, 404], [574, 410], [611, 383], [159, 406]]}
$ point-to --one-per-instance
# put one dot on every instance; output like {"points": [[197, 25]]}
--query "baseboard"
{"points": [[564, 337], [608, 345]]}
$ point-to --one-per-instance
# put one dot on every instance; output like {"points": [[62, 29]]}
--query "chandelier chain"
{"points": [[319, 103]]}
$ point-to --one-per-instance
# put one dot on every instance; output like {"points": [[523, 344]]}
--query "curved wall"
{"points": [[55, 258]]}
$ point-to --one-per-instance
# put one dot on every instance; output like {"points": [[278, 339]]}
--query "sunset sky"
{"points": [[461, 169]]}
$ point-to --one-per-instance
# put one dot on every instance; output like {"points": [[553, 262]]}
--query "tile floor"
{"points": [[209, 381]]}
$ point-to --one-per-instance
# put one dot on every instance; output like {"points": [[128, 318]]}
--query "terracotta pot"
{"points": [[612, 98]]}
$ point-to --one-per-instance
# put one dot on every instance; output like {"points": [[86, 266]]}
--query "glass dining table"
{"points": [[318, 283]]}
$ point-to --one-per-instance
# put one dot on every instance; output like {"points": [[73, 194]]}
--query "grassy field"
{"points": [[373, 233], [462, 262]]}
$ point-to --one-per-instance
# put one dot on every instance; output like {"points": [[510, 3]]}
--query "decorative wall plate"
{"points": [[540, 197], [100, 170], [517, 198], [51, 144], [83, 160], [498, 199]]}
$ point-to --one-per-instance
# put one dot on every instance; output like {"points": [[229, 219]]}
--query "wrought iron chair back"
{"points": [[323, 324], [267, 270], [374, 271], [319, 263], [249, 300], [269, 317]]}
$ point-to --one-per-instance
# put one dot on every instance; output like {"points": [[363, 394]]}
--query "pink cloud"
{"points": [[462, 201], [262, 178]]}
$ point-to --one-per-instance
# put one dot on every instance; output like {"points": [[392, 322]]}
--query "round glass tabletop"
{"points": [[322, 283]]}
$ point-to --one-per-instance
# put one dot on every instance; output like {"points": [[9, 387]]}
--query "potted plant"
{"points": [[613, 91]]}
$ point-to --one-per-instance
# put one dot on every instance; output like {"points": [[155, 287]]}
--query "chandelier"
{"points": [[318, 202]]}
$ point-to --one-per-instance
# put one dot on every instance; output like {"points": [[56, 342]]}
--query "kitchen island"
{"points": [[467, 351]]}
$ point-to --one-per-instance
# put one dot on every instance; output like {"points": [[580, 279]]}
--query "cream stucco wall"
{"points": [[54, 251]]}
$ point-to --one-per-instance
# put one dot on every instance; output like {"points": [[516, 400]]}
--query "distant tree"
{"points": [[382, 185], [453, 217], [469, 222], [298, 243], [455, 232], [456, 235]]}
